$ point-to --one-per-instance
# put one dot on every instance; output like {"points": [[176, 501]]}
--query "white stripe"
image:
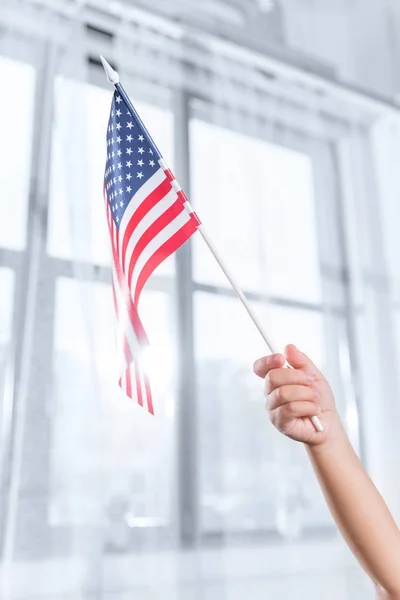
{"points": [[188, 207], [146, 189], [163, 164], [176, 185], [157, 210], [165, 234]]}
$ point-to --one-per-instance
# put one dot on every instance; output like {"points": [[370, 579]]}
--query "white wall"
{"points": [[356, 36]]}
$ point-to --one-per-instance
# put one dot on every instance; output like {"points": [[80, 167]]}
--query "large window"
{"points": [[16, 118], [110, 462], [105, 475], [257, 200]]}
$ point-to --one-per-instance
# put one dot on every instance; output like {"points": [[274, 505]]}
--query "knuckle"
{"points": [[273, 379], [291, 409], [283, 394]]}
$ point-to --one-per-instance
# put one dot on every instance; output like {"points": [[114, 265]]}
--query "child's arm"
{"points": [[293, 395]]}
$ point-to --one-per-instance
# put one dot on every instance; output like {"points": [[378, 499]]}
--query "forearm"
{"points": [[358, 509]]}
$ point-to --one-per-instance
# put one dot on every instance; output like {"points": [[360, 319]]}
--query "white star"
{"points": [[118, 126], [129, 177], [112, 127], [127, 112], [119, 152], [128, 164], [141, 150], [129, 189], [113, 167], [117, 219], [112, 113], [109, 156], [140, 163], [109, 128], [119, 166], [139, 175], [120, 191], [118, 99], [150, 151], [152, 163], [121, 204], [129, 151], [114, 180], [120, 178], [141, 138], [113, 154], [118, 113], [129, 125], [112, 141], [129, 138], [109, 142], [118, 140]]}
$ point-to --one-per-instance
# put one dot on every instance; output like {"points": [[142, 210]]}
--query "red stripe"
{"points": [[144, 207], [138, 386], [115, 230], [170, 246], [149, 396], [182, 196], [155, 228], [128, 382], [169, 174]]}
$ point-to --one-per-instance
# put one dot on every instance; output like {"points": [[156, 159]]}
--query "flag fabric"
{"points": [[149, 218]]}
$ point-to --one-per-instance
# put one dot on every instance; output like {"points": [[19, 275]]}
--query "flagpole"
{"points": [[113, 77]]}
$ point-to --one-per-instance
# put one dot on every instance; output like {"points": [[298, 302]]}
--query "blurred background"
{"points": [[281, 119]]}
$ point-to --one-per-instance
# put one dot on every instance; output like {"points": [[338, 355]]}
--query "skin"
{"points": [[294, 395]]}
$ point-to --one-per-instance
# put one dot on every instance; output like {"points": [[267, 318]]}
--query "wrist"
{"points": [[335, 434]]}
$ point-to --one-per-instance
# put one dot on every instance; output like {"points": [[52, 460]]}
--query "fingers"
{"points": [[264, 365], [279, 377], [299, 360], [291, 394], [283, 416]]}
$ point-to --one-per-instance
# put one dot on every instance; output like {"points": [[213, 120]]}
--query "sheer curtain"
{"points": [[99, 499]]}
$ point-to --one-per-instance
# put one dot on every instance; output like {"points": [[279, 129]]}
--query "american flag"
{"points": [[149, 218]]}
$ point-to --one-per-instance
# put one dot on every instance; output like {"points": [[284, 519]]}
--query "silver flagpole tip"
{"points": [[112, 75]]}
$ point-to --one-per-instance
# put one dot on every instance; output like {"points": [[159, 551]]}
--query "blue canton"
{"points": [[131, 158]]}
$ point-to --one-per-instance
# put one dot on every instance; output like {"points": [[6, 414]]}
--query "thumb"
{"points": [[299, 360]]}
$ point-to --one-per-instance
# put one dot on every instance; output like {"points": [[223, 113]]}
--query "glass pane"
{"points": [[6, 316], [77, 223], [112, 464], [257, 201], [16, 124], [250, 476], [6, 304]]}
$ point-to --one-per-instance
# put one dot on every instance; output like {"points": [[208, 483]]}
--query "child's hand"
{"points": [[294, 395]]}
